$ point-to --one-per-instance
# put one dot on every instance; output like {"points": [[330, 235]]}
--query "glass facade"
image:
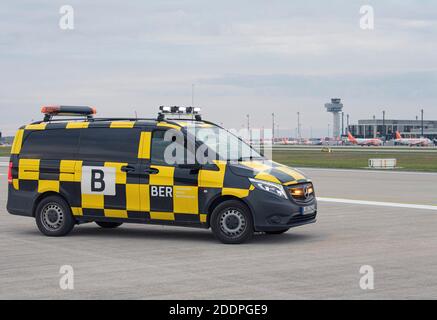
{"points": [[379, 128]]}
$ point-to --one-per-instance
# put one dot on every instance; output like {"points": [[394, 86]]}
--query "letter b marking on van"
{"points": [[98, 180]]}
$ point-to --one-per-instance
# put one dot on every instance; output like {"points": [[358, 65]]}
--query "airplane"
{"points": [[364, 142], [305, 142], [423, 142], [286, 141]]}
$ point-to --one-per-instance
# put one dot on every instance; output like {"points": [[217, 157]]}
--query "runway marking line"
{"points": [[367, 171], [350, 201], [378, 203]]}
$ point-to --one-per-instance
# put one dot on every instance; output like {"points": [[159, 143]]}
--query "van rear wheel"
{"points": [[231, 222], [108, 225], [53, 217]]}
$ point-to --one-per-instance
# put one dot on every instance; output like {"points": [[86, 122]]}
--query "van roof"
{"points": [[115, 123]]}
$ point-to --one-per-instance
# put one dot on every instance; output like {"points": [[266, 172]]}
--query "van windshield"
{"points": [[225, 145]]}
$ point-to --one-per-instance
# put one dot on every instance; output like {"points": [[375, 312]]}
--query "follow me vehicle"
{"points": [[68, 171]]}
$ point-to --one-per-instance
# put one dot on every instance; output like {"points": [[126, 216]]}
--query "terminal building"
{"points": [[408, 128]]}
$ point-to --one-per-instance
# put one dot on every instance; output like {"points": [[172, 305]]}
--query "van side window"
{"points": [[159, 145], [51, 144], [109, 145]]}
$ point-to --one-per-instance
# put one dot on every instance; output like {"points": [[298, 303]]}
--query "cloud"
{"points": [[241, 55], [413, 85]]}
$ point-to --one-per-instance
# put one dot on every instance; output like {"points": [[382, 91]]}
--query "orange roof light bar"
{"points": [[51, 111], [68, 110]]}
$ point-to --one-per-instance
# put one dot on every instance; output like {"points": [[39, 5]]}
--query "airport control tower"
{"points": [[335, 108]]}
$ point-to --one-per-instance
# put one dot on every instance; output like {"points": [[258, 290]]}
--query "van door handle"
{"points": [[151, 171], [128, 169]]}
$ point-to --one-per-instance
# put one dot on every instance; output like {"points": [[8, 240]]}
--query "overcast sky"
{"points": [[244, 56]]}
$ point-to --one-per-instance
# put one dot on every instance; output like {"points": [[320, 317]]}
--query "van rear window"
{"points": [[50, 144], [112, 145]]}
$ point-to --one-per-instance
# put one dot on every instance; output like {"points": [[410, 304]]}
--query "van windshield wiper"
{"points": [[249, 158]]}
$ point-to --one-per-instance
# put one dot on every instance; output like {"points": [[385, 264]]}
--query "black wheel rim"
{"points": [[232, 223], [52, 217]]}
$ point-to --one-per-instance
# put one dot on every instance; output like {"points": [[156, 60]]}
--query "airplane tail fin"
{"points": [[351, 138], [398, 135]]}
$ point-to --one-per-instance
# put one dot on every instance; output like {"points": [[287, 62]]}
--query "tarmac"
{"points": [[359, 224]]}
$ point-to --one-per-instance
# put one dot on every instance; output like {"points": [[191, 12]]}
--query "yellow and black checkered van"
{"points": [[69, 171]]}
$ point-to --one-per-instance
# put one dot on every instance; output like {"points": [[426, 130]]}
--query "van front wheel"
{"points": [[53, 217], [231, 222]]}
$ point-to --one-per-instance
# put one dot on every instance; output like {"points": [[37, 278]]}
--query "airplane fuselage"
{"points": [[368, 142], [414, 142]]}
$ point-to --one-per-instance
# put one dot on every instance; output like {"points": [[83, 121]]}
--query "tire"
{"points": [[53, 217], [277, 231], [232, 223], [108, 225]]}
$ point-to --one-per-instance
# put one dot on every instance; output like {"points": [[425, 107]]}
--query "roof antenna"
{"points": [[136, 115], [192, 98]]}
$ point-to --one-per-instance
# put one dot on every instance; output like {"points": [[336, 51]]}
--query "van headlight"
{"points": [[271, 187]]}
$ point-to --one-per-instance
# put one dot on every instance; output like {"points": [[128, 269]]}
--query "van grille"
{"points": [[301, 193]]}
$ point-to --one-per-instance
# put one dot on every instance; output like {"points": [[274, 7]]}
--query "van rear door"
{"points": [[41, 157]]}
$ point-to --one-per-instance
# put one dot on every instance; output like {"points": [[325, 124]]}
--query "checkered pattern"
{"points": [[192, 192]]}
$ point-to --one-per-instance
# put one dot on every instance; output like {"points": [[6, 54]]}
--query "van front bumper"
{"points": [[272, 213]]}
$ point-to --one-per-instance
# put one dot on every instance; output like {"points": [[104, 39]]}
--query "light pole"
{"points": [[298, 126], [383, 126], [421, 124], [347, 117], [342, 123], [273, 127], [248, 128], [375, 127]]}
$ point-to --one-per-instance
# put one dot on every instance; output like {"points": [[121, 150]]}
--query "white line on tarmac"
{"points": [[379, 204], [303, 169], [360, 202], [6, 164]]}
